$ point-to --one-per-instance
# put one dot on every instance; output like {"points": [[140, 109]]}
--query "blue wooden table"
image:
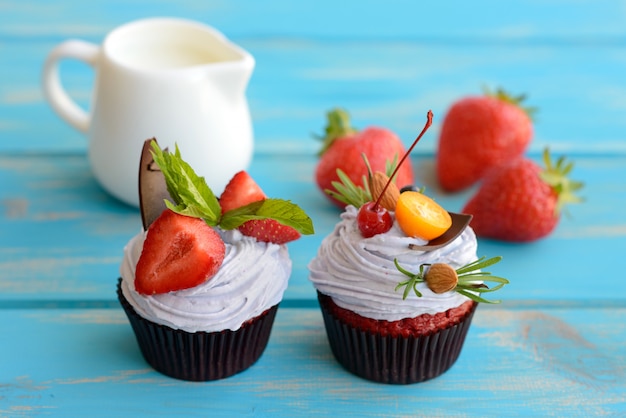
{"points": [[556, 346]]}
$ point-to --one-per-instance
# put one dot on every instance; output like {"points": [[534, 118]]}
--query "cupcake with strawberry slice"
{"points": [[202, 281], [398, 280]]}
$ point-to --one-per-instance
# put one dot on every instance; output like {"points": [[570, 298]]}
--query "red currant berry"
{"points": [[373, 219]]}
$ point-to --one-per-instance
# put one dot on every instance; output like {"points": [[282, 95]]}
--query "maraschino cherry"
{"points": [[372, 218]]}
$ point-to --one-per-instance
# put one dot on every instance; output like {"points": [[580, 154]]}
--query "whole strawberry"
{"points": [[344, 147], [479, 133], [520, 201]]}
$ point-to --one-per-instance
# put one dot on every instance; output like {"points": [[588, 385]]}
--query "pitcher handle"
{"points": [[54, 92]]}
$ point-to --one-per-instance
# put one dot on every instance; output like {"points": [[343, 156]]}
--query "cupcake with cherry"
{"points": [[202, 281], [398, 279]]}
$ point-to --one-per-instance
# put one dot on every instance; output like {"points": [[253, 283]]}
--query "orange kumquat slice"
{"points": [[421, 217]]}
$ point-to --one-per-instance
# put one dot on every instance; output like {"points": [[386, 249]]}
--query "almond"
{"points": [[377, 182], [441, 278]]}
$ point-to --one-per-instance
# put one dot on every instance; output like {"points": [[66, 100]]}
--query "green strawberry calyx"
{"points": [[193, 197], [518, 100], [338, 127], [555, 174]]}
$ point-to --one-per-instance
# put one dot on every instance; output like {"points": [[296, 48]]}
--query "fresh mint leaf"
{"points": [[283, 211], [191, 195]]}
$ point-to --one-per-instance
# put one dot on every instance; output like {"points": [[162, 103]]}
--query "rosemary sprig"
{"points": [[469, 280], [346, 191], [414, 280], [349, 193]]}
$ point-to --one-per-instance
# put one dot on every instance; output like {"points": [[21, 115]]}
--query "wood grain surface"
{"points": [[556, 346]]}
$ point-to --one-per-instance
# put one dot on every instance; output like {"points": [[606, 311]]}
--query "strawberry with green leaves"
{"points": [[243, 190], [522, 202], [479, 133], [193, 197], [343, 149], [182, 248]]}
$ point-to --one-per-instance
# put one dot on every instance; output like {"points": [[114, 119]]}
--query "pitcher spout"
{"points": [[232, 77]]}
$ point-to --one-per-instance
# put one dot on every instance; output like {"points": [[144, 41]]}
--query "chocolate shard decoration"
{"points": [[152, 187], [460, 221]]}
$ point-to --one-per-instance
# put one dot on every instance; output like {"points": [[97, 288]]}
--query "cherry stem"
{"points": [[429, 122]]}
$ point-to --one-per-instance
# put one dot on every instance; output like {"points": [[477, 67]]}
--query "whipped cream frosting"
{"points": [[252, 279], [360, 275]]}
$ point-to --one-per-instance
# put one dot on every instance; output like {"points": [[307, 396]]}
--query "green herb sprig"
{"points": [[350, 193], [346, 191], [470, 279], [193, 197]]}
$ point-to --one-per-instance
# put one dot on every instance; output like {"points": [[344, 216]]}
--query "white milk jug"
{"points": [[176, 80]]}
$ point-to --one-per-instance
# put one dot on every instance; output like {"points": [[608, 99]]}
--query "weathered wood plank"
{"points": [[390, 73], [482, 19], [515, 362], [61, 236], [555, 347], [577, 89]]}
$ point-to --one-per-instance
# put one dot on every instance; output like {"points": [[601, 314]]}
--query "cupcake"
{"points": [[202, 281], [398, 281]]}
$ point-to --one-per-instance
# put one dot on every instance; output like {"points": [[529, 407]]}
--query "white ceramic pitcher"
{"points": [[177, 80]]}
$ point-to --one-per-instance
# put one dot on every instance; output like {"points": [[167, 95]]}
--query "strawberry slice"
{"points": [[179, 252], [243, 190], [240, 191], [269, 230]]}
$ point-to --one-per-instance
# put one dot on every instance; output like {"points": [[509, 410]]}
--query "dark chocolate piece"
{"points": [[459, 223], [152, 187]]}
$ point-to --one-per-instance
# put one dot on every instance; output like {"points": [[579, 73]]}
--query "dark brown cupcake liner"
{"points": [[199, 356], [394, 360]]}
